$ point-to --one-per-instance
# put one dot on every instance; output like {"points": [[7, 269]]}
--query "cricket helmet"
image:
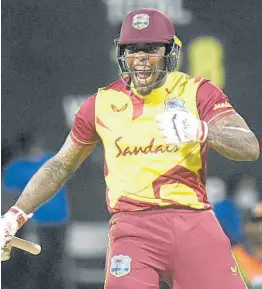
{"points": [[144, 26]]}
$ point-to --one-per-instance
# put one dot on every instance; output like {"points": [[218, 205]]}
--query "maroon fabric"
{"points": [[212, 102], [160, 28], [185, 248], [84, 130]]}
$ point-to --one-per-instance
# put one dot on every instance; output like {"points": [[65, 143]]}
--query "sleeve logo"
{"points": [[224, 104]]}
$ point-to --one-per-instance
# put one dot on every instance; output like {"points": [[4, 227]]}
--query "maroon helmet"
{"points": [[148, 25]]}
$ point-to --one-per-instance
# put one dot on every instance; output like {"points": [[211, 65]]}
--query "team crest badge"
{"points": [[120, 265], [174, 104], [140, 21]]}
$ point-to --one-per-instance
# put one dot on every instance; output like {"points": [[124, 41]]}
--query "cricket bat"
{"points": [[27, 246]]}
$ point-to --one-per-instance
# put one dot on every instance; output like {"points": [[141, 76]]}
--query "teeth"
{"points": [[143, 76], [142, 70]]}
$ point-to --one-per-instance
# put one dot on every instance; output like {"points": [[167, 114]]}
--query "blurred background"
{"points": [[55, 54]]}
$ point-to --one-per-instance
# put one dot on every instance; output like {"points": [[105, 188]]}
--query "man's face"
{"points": [[145, 61]]}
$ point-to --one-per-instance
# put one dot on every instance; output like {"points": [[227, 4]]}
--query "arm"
{"points": [[53, 174], [56, 171], [232, 138], [228, 133], [219, 126]]}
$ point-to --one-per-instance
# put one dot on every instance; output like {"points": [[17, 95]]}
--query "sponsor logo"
{"points": [[120, 265], [144, 150], [115, 109], [222, 105], [174, 104], [233, 269], [140, 21]]}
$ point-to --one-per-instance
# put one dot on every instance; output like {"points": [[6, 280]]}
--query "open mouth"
{"points": [[143, 75]]}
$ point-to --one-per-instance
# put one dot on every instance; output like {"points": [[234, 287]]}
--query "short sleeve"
{"points": [[83, 131], [212, 102]]}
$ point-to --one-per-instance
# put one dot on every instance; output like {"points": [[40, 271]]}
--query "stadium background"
{"points": [[57, 53]]}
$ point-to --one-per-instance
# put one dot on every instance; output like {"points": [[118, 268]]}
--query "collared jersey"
{"points": [[141, 171]]}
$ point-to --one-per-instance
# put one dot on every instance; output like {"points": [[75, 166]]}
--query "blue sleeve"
{"points": [[14, 177]]}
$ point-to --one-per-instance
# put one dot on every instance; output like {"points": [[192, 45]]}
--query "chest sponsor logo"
{"points": [[152, 148]]}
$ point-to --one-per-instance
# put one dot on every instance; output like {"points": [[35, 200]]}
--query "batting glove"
{"points": [[178, 127], [13, 220]]}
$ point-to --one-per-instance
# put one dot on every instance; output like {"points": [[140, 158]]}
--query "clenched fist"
{"points": [[179, 127]]}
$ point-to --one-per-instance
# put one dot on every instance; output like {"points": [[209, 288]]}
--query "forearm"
{"points": [[53, 174], [234, 143], [44, 184]]}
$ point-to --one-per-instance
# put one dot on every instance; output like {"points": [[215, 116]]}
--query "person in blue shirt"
{"points": [[16, 176], [228, 214], [50, 219]]}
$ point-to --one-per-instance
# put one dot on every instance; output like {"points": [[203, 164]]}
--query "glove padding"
{"points": [[13, 220], [179, 127]]}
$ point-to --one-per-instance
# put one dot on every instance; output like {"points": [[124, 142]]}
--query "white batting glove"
{"points": [[179, 126], [9, 224]]}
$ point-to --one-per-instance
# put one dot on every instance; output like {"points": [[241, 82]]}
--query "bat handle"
{"points": [[30, 247]]}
